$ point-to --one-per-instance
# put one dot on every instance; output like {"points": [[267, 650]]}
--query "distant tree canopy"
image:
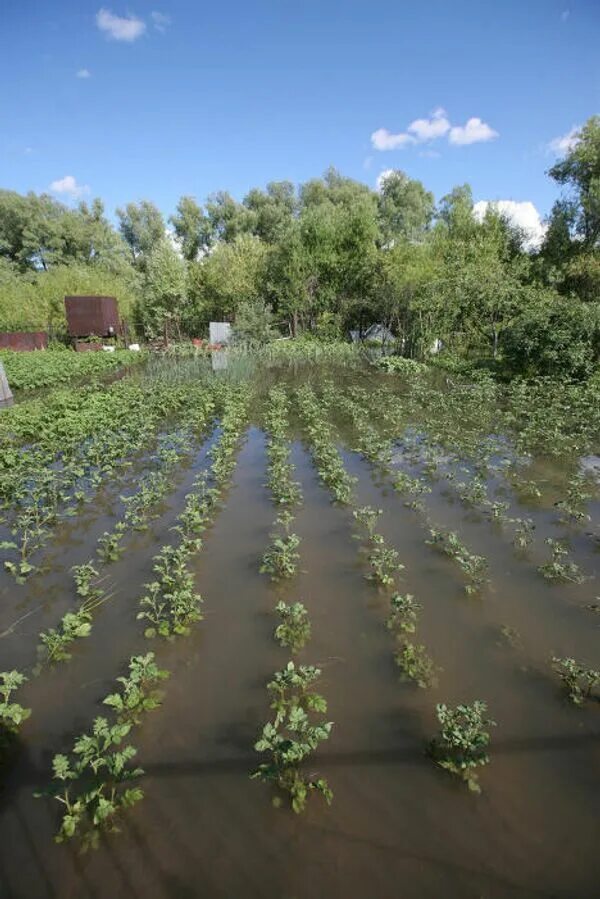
{"points": [[327, 257]]}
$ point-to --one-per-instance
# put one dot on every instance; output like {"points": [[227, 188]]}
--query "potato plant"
{"points": [[12, 714], [416, 665], [461, 746], [139, 691], [578, 680], [294, 630], [404, 615], [450, 544], [93, 783], [559, 568], [293, 735]]}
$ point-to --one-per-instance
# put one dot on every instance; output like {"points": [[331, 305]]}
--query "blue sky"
{"points": [[185, 97]]}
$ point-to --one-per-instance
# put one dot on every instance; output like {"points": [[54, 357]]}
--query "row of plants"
{"points": [[29, 371], [472, 492], [55, 643], [461, 745], [299, 723], [51, 483], [93, 782]]}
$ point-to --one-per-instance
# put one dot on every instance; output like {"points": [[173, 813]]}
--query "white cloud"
{"points": [[565, 15], [83, 73], [382, 139], [160, 21], [28, 151], [422, 131], [120, 28], [474, 132], [430, 129], [523, 214], [69, 186], [564, 143]]}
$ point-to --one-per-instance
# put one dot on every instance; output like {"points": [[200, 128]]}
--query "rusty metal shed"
{"points": [[23, 340], [92, 315]]}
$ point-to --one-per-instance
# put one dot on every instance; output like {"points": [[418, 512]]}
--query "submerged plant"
{"points": [[12, 714], [281, 559], [294, 630], [475, 567], [404, 614], [579, 680], [73, 626], [293, 735], [461, 746], [415, 664], [559, 568], [171, 603], [139, 691], [523, 534], [383, 562], [367, 517], [572, 507], [84, 575], [99, 768]]}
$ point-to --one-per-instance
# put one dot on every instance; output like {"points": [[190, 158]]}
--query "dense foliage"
{"points": [[326, 258]]}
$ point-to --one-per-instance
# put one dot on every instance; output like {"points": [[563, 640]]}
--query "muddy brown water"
{"points": [[398, 825]]}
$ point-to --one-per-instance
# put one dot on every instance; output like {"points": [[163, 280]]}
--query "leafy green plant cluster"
{"points": [[284, 489], [461, 746], [327, 458], [12, 714], [384, 562], [404, 615], [572, 507], [293, 735], [76, 440], [559, 568], [143, 503], [281, 557], [139, 691], [369, 441], [400, 365], [416, 664], [55, 642], [450, 544], [579, 681], [294, 629], [93, 783], [170, 604], [29, 371]]}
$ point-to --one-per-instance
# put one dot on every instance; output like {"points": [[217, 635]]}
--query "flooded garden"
{"points": [[305, 626]]}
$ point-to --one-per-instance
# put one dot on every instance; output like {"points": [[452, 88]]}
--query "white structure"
{"points": [[219, 332], [6, 397]]}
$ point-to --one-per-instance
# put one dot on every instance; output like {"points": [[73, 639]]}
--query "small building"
{"points": [[219, 333], [377, 333], [92, 316]]}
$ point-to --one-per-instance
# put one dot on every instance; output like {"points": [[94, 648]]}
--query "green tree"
{"points": [[143, 229], [192, 228], [579, 173], [405, 208], [164, 291]]}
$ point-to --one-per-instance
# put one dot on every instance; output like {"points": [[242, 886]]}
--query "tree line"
{"points": [[325, 258]]}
